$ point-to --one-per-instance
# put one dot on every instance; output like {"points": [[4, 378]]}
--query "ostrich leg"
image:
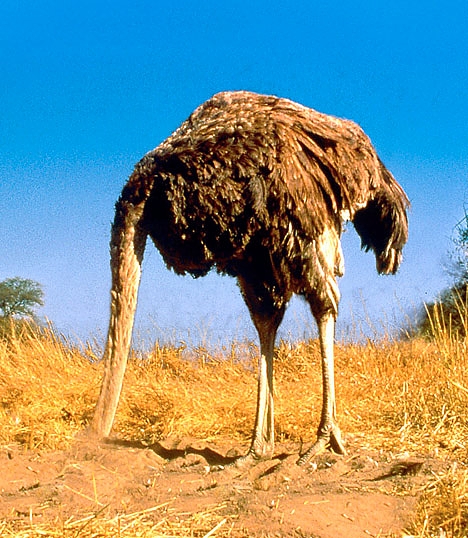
{"points": [[264, 431], [328, 433], [266, 317]]}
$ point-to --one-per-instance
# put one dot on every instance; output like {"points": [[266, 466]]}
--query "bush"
{"points": [[448, 315]]}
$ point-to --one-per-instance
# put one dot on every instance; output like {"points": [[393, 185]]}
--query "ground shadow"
{"points": [[213, 457]]}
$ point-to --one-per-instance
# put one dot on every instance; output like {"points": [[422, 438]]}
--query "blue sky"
{"points": [[88, 87]]}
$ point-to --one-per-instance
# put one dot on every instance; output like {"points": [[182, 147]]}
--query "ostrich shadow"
{"points": [[213, 457]]}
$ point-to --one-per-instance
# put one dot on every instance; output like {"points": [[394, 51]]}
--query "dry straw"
{"points": [[408, 395]]}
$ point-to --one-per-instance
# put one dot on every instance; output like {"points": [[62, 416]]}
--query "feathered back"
{"points": [[249, 169]]}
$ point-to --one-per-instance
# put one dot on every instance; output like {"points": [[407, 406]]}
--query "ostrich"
{"points": [[257, 187]]}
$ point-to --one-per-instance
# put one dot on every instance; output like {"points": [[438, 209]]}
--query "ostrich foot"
{"points": [[327, 437], [244, 463]]}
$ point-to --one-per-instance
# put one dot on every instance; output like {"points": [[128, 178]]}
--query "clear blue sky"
{"points": [[86, 88]]}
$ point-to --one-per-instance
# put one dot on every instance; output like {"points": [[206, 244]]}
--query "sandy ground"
{"points": [[362, 494]]}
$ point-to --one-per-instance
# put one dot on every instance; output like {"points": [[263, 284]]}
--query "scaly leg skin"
{"points": [[328, 435], [263, 441], [264, 432], [266, 317]]}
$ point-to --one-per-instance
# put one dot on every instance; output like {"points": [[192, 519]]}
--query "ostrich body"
{"points": [[257, 187]]}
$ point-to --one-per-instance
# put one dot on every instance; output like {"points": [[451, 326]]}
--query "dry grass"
{"points": [[47, 388], [138, 524], [443, 508], [408, 396]]}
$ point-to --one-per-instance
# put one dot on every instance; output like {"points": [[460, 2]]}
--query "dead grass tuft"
{"points": [[160, 521], [47, 390], [443, 507]]}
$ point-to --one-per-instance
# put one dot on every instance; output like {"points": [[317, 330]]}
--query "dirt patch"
{"points": [[363, 494]]}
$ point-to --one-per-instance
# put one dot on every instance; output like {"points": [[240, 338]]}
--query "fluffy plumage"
{"points": [[248, 172]]}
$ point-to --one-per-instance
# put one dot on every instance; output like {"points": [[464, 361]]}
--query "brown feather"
{"points": [[247, 170]]}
